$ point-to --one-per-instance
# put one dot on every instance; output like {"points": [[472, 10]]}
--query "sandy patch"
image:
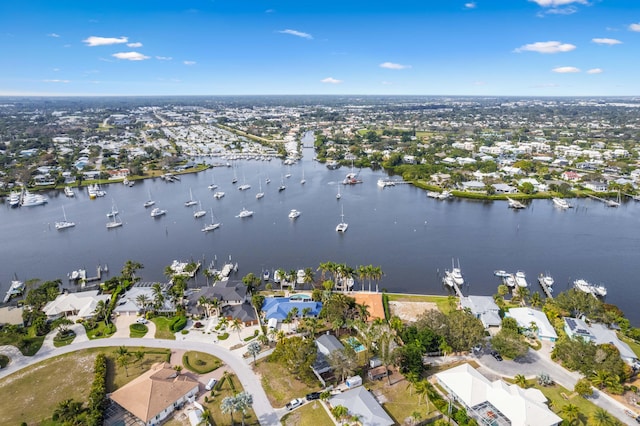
{"points": [[410, 311]]}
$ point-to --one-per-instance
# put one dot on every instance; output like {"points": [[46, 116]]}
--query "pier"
{"points": [[545, 288], [609, 203]]}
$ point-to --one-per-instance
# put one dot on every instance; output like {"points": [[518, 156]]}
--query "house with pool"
{"points": [[279, 308]]}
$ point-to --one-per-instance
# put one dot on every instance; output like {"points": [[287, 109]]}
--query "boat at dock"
{"points": [[453, 277], [597, 290], [383, 183], [444, 195], [546, 282], [521, 279], [561, 203], [266, 275], [14, 198], [69, 192], [515, 204], [15, 289], [31, 200], [500, 273], [509, 280]]}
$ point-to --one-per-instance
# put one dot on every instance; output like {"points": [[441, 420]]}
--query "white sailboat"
{"points": [[115, 222], [149, 202], [282, 186], [338, 195], [114, 210], [245, 213], [65, 223], [614, 203], [199, 213], [342, 226], [303, 180], [213, 184], [213, 225], [191, 201], [260, 194]]}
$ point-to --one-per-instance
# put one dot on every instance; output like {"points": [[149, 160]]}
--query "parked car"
{"points": [[142, 321], [294, 403], [496, 355], [210, 384], [313, 395]]}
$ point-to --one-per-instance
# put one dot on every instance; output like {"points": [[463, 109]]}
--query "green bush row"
{"points": [[385, 305], [178, 323], [224, 336], [97, 400]]}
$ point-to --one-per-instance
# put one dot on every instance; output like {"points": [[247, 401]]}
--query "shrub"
{"points": [[185, 332], [198, 325], [178, 323], [223, 336]]}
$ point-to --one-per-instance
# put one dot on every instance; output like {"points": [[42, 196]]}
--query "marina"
{"points": [[482, 234]]}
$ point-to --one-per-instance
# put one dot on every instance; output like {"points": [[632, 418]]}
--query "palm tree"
{"points": [[536, 300], [204, 302], [206, 416], [129, 270], [244, 401], [139, 355], [361, 270], [158, 296], [601, 417], [223, 321], [292, 278], [282, 274], [306, 311], [236, 325], [377, 275], [387, 356], [251, 281], [123, 361], [207, 274], [228, 405], [102, 311], [363, 311], [143, 301], [214, 305], [600, 378], [570, 412], [67, 410], [253, 349], [308, 276], [521, 381]]}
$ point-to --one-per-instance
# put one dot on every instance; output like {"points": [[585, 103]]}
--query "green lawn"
{"points": [[138, 330], [162, 328], [401, 401], [312, 414], [101, 331], [635, 347], [220, 418], [280, 386], [200, 362], [441, 301]]}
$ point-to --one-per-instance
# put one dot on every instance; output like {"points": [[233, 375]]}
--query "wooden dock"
{"points": [[545, 287]]}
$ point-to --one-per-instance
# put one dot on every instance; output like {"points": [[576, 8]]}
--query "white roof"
{"points": [[525, 316], [81, 305], [359, 401], [604, 335], [523, 407]]}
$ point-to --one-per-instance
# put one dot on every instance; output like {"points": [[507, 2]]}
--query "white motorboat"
{"points": [[444, 195], [245, 213], [213, 225], [190, 202], [600, 290], [199, 213], [14, 198], [266, 275], [613, 203], [156, 212], [30, 200], [509, 280], [500, 273], [300, 276], [15, 289], [454, 276], [342, 226], [69, 192], [218, 195], [294, 214], [64, 224], [382, 183], [583, 285], [521, 279], [561, 203], [546, 281]]}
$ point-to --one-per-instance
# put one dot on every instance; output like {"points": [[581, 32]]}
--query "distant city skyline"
{"points": [[216, 47]]}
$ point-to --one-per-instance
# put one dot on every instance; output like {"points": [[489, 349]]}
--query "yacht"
{"points": [[561, 203], [245, 213], [500, 273], [382, 183], [16, 289], [584, 286], [31, 200], [333, 165], [546, 281], [199, 213], [300, 276], [69, 192], [213, 225], [521, 279], [509, 280], [294, 214], [190, 202], [14, 198], [266, 275], [65, 223], [218, 195], [351, 179], [599, 290], [342, 226], [454, 276], [156, 212]]}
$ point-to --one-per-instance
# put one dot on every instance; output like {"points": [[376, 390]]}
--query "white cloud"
{"points": [[330, 80], [609, 41], [634, 27], [56, 81], [569, 10], [470, 5], [136, 44], [164, 58], [565, 70], [54, 35], [595, 71], [104, 41], [386, 83], [296, 33], [393, 66], [130, 56], [556, 3], [546, 47], [189, 62]]}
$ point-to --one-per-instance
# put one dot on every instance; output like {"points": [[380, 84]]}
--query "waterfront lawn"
{"points": [[162, 328], [635, 347], [279, 385], [226, 389], [400, 400], [200, 362], [441, 301], [312, 414]]}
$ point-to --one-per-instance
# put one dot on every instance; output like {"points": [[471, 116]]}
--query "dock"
{"points": [[545, 287], [609, 203]]}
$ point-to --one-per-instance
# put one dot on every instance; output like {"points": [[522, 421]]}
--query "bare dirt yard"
{"points": [[410, 311]]}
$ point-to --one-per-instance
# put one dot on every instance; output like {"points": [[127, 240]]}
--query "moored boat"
{"points": [[561, 203], [500, 273], [245, 213], [69, 192], [15, 289], [521, 279], [294, 214], [156, 212]]}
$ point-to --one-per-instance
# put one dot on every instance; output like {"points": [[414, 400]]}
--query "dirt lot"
{"points": [[409, 311]]}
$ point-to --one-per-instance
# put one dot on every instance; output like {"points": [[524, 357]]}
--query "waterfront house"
{"points": [[503, 188], [326, 345], [484, 308], [527, 318], [474, 186], [279, 307], [234, 302], [571, 176], [155, 395], [81, 305], [129, 303], [361, 403], [599, 334], [596, 186], [496, 403]]}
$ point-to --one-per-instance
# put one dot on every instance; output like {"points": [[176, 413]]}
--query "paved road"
{"points": [[261, 406]]}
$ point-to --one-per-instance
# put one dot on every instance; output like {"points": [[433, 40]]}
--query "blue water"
{"points": [[357, 346]]}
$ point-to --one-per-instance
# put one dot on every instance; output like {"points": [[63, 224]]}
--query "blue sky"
{"points": [[255, 47]]}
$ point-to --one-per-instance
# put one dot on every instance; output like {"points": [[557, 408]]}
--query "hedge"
{"points": [[178, 323]]}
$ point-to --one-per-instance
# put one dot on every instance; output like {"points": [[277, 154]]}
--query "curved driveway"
{"points": [[261, 406]]}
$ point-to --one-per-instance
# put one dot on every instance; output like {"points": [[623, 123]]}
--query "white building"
{"points": [[75, 305], [496, 403], [525, 317]]}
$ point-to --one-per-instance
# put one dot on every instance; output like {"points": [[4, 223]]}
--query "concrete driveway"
{"points": [[122, 323]]}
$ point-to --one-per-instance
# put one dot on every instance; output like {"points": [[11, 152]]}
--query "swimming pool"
{"points": [[300, 297], [355, 344]]}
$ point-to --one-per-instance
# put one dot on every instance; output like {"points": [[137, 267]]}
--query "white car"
{"points": [[142, 321], [294, 403]]}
